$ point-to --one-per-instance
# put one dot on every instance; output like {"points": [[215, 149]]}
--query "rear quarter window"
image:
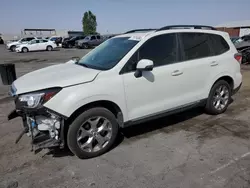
{"points": [[195, 46], [218, 44]]}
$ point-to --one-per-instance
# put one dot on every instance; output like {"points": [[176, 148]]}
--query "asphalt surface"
{"points": [[190, 149]]}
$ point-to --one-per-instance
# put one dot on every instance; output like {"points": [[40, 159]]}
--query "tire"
{"points": [[70, 46], [215, 98], [49, 48], [12, 48], [85, 46], [81, 136], [25, 50]]}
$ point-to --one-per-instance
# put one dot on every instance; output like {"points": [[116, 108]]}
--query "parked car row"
{"points": [[34, 44], [84, 42]]}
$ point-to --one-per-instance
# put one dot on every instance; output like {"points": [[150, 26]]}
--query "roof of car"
{"points": [[146, 33]]}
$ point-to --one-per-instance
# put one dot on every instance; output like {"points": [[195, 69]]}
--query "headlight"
{"points": [[33, 100]]}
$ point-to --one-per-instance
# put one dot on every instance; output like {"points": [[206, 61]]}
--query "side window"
{"points": [[98, 37], [162, 50], [42, 41], [195, 45], [92, 38], [219, 45], [29, 39], [24, 40], [33, 42]]}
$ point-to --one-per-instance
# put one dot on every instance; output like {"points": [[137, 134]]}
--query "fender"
{"points": [[215, 78]]}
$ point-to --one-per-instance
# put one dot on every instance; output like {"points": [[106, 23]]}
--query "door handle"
{"points": [[176, 73], [214, 63]]}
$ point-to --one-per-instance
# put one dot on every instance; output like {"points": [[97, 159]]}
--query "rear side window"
{"points": [[195, 45], [219, 45]]}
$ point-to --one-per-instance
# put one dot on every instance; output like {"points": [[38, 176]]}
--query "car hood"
{"points": [[61, 75]]}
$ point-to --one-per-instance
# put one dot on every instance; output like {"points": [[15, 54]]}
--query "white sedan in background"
{"points": [[36, 45]]}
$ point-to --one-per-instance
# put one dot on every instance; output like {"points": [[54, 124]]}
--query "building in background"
{"points": [[236, 28]]}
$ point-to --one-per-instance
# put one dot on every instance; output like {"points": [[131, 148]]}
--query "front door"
{"points": [[157, 90]]}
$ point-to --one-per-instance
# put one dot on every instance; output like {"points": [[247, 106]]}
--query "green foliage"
{"points": [[89, 23]]}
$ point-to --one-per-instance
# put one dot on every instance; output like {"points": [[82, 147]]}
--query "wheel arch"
{"points": [[228, 79], [111, 106], [225, 77]]}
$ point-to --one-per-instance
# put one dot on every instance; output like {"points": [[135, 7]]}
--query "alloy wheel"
{"points": [[94, 134], [221, 97]]}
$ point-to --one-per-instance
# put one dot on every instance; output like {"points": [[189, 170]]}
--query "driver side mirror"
{"points": [[143, 65]]}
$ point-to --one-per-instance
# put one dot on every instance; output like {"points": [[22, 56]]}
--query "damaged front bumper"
{"points": [[45, 127]]}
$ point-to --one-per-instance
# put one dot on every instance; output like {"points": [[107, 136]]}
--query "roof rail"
{"points": [[138, 30], [186, 26]]}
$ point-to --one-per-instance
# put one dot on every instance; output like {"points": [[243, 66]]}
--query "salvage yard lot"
{"points": [[190, 149]]}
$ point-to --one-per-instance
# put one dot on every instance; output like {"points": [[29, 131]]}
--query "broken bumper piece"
{"points": [[44, 127]]}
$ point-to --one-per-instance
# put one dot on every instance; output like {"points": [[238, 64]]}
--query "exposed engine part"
{"points": [[50, 123]]}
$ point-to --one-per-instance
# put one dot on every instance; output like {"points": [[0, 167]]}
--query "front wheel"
{"points": [[13, 48], [92, 133], [219, 98], [49, 48], [25, 50]]}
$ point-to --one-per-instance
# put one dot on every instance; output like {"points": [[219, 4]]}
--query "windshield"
{"points": [[108, 54]]}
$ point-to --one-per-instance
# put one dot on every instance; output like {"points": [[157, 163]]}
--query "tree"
{"points": [[89, 23]]}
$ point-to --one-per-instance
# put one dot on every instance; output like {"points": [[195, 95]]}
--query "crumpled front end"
{"points": [[43, 126]]}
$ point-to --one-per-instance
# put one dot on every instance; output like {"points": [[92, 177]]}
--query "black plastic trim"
{"points": [[236, 89], [164, 113]]}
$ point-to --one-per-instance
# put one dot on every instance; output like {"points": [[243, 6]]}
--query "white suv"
{"points": [[128, 79]]}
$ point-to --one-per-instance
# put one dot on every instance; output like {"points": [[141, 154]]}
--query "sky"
{"points": [[114, 16]]}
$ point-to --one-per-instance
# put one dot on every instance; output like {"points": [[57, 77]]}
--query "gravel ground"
{"points": [[190, 149]]}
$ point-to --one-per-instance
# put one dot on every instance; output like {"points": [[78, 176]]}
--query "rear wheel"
{"points": [[49, 48], [219, 98], [92, 133], [25, 50]]}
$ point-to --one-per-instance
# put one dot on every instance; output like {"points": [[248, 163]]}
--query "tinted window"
{"points": [[93, 38], [219, 45], [98, 37], [43, 41], [162, 50], [195, 45], [29, 39]]}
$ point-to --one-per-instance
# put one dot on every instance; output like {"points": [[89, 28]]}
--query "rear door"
{"points": [[196, 67], [33, 45]]}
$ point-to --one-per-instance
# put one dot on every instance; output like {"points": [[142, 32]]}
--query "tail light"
{"points": [[238, 57]]}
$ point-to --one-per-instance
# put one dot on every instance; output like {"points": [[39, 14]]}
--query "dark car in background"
{"points": [[234, 39], [1, 40], [243, 46], [71, 42], [90, 41]]}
